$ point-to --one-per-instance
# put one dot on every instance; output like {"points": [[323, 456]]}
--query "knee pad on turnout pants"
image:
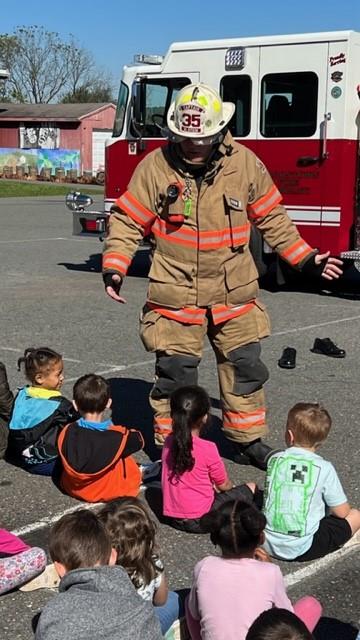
{"points": [[250, 373], [172, 372]]}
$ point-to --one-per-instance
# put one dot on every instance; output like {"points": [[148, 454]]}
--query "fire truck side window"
{"points": [[237, 89], [289, 105], [157, 98], [120, 110]]}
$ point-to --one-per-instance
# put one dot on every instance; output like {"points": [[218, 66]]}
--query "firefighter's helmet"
{"points": [[198, 112]]}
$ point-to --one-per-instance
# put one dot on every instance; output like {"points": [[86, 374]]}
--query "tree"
{"points": [[44, 68], [95, 94], [8, 47]]}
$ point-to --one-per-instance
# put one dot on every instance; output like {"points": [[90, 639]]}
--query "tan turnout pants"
{"points": [[241, 373]]}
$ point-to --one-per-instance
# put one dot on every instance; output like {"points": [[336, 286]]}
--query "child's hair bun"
{"points": [[236, 526], [211, 522], [252, 520], [27, 354]]}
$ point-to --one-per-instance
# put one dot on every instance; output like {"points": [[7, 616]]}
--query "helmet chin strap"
{"points": [[196, 165]]}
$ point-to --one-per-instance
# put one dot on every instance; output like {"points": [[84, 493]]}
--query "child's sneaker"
{"points": [[48, 579], [178, 631], [150, 470]]}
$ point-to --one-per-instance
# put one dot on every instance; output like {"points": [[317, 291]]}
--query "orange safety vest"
{"points": [[120, 477]]}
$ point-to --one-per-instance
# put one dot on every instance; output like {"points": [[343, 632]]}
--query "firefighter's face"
{"points": [[197, 154]]}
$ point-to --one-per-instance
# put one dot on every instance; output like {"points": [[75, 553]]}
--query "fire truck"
{"points": [[297, 100]]}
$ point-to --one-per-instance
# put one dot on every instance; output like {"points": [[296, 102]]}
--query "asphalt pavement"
{"points": [[51, 293]]}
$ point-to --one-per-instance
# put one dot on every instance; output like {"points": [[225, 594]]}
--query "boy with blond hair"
{"points": [[307, 512]]}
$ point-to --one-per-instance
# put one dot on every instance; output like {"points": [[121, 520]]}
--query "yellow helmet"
{"points": [[198, 112]]}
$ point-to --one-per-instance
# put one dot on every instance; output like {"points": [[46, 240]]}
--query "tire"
{"points": [[100, 177]]}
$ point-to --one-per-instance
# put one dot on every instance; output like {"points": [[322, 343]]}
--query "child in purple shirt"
{"points": [[194, 478]]}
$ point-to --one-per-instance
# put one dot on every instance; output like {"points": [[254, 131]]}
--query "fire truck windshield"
{"points": [[156, 96]]}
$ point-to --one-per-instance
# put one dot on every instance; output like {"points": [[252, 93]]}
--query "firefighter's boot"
{"points": [[256, 453]]}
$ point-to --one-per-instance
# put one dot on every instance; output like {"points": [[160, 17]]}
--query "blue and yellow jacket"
{"points": [[38, 415]]}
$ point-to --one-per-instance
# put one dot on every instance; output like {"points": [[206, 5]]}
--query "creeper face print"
{"points": [[290, 486]]}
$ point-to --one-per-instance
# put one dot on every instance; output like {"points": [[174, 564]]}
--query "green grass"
{"points": [[9, 189]]}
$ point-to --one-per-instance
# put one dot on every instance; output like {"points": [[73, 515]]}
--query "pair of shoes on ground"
{"points": [[323, 346], [48, 579], [256, 453]]}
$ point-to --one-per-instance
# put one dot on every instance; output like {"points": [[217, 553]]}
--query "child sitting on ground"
{"points": [[39, 412], [19, 563], [230, 591], [95, 454], [132, 532], [194, 479], [301, 487], [278, 624], [96, 599]]}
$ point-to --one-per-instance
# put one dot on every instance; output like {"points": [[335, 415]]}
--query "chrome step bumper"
{"points": [[350, 255]]}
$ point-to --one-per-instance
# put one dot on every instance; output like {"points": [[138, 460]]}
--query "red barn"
{"points": [[82, 126]]}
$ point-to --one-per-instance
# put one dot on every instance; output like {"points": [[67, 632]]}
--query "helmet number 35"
{"points": [[191, 120]]}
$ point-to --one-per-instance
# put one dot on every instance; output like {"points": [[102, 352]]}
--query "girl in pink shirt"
{"points": [[194, 478], [230, 591]]}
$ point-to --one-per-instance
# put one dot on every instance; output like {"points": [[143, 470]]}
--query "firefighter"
{"points": [[197, 197]]}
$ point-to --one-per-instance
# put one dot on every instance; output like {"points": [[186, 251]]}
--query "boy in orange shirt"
{"points": [[95, 454]]}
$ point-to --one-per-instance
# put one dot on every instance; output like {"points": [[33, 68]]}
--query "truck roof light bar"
{"points": [[143, 58], [235, 59]]}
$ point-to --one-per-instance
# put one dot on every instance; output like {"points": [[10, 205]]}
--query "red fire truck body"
{"points": [[297, 107]]}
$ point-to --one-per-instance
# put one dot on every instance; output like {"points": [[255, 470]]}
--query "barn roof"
{"points": [[60, 112]]}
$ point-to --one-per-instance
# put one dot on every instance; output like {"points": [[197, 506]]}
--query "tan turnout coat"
{"points": [[201, 260]]}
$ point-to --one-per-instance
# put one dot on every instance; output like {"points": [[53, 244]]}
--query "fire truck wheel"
{"points": [[100, 177], [256, 248]]}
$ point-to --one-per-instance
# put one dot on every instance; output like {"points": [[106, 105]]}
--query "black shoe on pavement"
{"points": [[326, 347], [288, 358], [256, 453]]}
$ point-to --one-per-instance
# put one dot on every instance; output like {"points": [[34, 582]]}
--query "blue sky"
{"points": [[113, 30]]}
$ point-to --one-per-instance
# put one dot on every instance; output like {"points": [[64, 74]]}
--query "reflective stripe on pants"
{"points": [[244, 417]]}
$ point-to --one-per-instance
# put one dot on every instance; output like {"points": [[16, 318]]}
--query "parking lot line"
{"points": [[317, 566], [314, 326], [290, 579], [112, 368], [45, 240], [49, 520], [32, 240]]}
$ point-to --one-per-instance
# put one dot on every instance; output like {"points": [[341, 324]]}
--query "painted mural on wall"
{"points": [[42, 137], [41, 159]]}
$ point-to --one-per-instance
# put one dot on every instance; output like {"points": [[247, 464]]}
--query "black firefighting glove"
{"points": [[109, 282], [312, 270]]}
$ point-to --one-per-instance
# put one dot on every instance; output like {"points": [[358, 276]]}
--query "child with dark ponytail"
{"points": [[38, 413], [231, 590], [194, 478]]}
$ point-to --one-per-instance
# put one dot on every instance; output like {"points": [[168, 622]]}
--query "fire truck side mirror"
{"points": [[138, 103]]}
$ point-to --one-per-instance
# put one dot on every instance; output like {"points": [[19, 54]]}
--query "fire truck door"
{"points": [[292, 129]]}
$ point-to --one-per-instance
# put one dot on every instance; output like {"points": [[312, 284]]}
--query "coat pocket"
{"points": [[262, 320], [148, 330], [241, 279], [170, 281], [155, 330], [235, 209]]}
